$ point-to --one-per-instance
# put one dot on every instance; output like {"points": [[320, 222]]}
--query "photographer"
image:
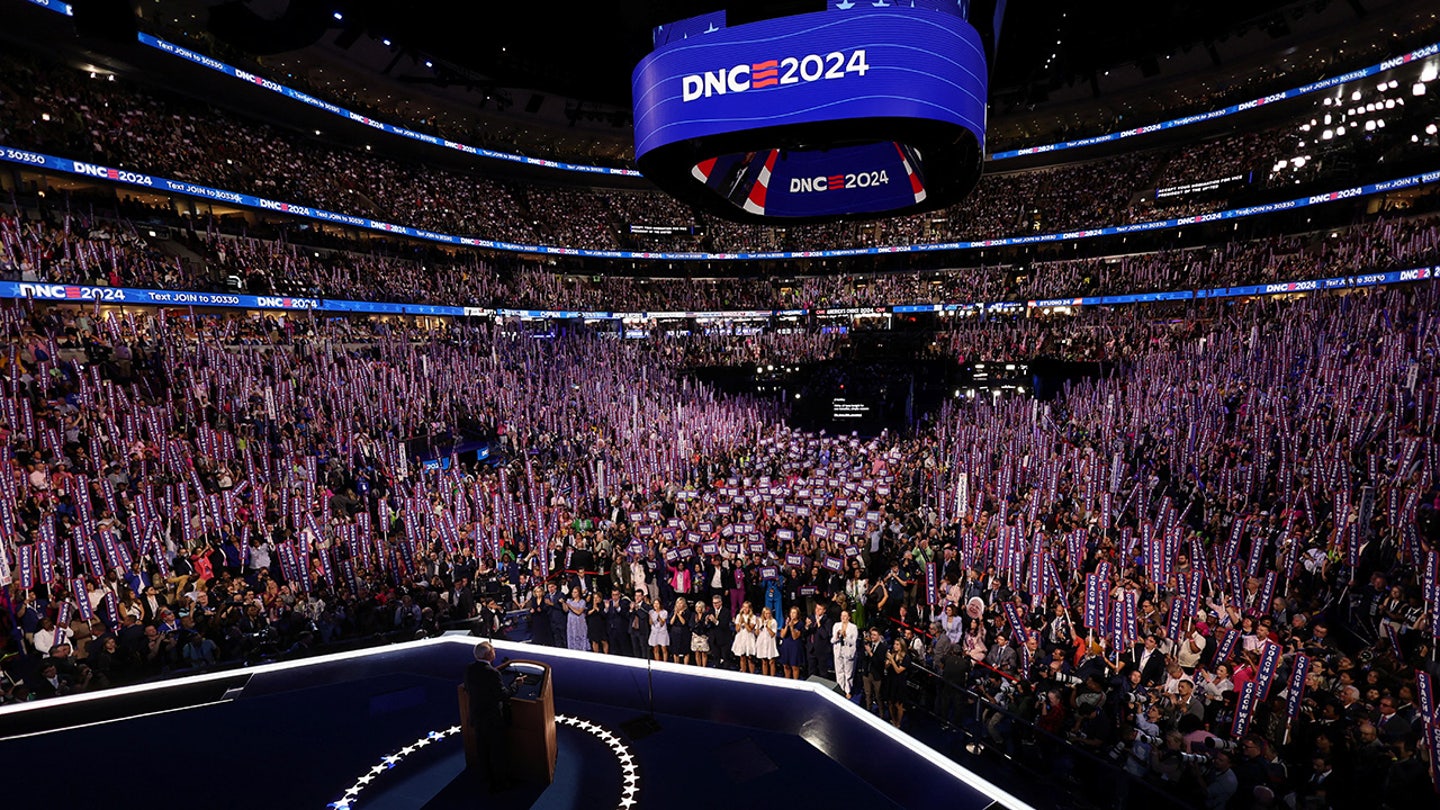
{"points": [[1220, 782]]}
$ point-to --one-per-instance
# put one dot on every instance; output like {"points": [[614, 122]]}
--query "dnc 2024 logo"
{"points": [[773, 73]]}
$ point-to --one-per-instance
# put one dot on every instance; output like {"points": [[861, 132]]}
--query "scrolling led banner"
{"points": [[859, 110], [41, 161]]}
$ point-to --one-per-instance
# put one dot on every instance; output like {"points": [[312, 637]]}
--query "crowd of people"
{"points": [[120, 124], [73, 248], [188, 490], [1216, 566]]}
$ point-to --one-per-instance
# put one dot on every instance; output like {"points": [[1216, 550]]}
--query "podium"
{"points": [[530, 744]]}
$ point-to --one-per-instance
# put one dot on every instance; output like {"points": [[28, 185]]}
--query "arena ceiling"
{"points": [[587, 49]]}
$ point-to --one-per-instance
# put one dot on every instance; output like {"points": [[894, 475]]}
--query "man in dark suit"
{"points": [[617, 622], [871, 660], [724, 636], [1003, 657], [488, 697], [820, 658], [1147, 658], [640, 624], [554, 603]]}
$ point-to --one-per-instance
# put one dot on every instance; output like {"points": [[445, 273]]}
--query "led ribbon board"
{"points": [[858, 110]]}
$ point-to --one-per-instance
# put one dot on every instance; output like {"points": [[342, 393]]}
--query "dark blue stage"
{"points": [[378, 728]]}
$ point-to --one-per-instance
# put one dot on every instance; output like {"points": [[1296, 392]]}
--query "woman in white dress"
{"points": [[659, 632], [744, 645], [765, 647]]}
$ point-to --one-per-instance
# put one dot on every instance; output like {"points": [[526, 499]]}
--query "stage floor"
{"points": [[380, 730]]}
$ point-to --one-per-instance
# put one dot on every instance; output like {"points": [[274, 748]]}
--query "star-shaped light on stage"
{"points": [[629, 770], [348, 798], [630, 777]]}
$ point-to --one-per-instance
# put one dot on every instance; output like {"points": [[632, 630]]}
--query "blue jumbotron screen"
{"points": [[814, 115]]}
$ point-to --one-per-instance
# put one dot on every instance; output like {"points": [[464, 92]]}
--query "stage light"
{"points": [[1431, 130], [1327, 135], [1339, 131], [1430, 71], [1370, 126], [1355, 96], [385, 42], [1418, 89], [337, 15]]}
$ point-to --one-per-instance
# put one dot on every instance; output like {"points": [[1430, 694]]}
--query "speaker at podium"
{"points": [[529, 738]]}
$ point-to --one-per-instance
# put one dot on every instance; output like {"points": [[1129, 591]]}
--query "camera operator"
{"points": [[999, 696]]}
